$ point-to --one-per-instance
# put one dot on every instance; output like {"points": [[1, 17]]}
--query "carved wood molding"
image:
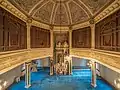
{"points": [[14, 59], [105, 58]]}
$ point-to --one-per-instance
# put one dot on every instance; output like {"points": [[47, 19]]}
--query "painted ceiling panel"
{"points": [[77, 11], [44, 13], [26, 5], [61, 16], [96, 5]]}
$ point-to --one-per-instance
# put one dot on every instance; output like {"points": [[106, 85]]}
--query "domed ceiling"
{"points": [[61, 12]]}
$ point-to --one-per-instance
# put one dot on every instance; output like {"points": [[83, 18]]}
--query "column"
{"points": [[71, 66], [92, 36], [93, 71], [70, 40], [51, 39], [51, 66], [28, 35], [27, 75]]}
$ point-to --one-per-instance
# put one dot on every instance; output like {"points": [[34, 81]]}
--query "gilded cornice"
{"points": [[57, 28], [41, 25], [82, 25], [12, 9], [108, 11]]}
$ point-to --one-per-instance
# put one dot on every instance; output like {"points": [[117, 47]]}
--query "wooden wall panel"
{"points": [[12, 32], [107, 33], [81, 38], [40, 38], [61, 37]]}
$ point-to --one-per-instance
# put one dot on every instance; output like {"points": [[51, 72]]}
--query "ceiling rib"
{"points": [[69, 14], [55, 13], [52, 13]]}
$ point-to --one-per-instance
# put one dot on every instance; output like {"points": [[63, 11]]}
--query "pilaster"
{"points": [[29, 21], [70, 39], [92, 36]]}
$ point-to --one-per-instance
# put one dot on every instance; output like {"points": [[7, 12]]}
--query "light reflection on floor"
{"points": [[79, 80]]}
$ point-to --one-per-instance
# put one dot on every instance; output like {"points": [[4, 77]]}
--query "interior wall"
{"points": [[81, 38], [107, 33], [78, 62], [108, 74], [40, 38], [10, 76], [44, 62]]}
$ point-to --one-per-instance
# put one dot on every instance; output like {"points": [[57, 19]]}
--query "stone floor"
{"points": [[79, 80]]}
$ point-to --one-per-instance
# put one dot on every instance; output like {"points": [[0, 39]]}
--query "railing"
{"points": [[12, 59], [108, 58]]}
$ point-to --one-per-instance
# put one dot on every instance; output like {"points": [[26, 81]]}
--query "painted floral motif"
{"points": [[44, 13]]}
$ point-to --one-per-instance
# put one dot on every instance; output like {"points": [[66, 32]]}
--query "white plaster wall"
{"points": [[10, 75], [78, 62], [43, 62], [108, 74]]}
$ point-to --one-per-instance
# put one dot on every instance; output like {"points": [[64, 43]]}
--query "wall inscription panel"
{"points": [[13, 32], [107, 33], [81, 38], [40, 38]]}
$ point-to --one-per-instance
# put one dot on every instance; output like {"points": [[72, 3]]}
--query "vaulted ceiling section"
{"points": [[61, 12]]}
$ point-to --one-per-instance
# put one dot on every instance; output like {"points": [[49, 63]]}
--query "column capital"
{"points": [[92, 21], [92, 26], [29, 20], [51, 27], [70, 28]]}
